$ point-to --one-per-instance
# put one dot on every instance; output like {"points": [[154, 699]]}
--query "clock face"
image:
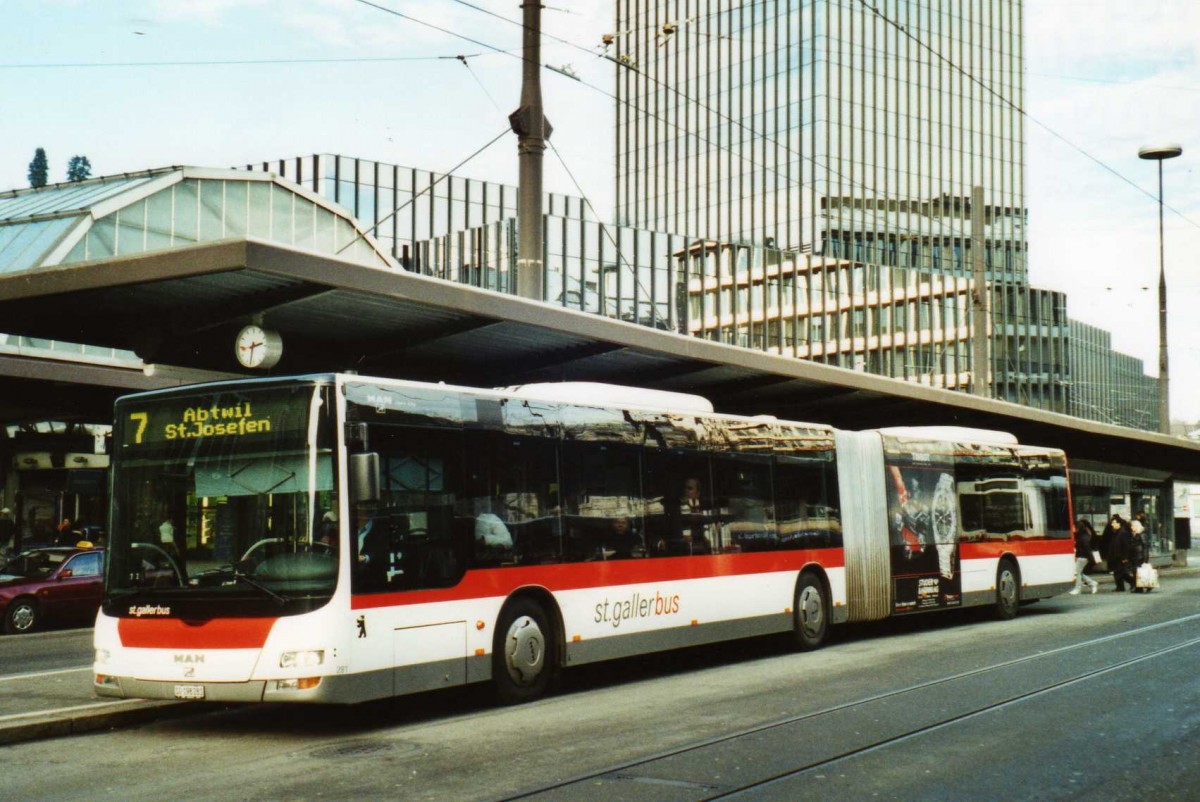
{"points": [[257, 347]]}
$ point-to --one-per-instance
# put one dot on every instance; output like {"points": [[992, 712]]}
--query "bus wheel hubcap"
{"points": [[811, 614], [526, 651], [1008, 588]]}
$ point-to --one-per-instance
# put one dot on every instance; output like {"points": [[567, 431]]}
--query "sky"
{"points": [[134, 84]]}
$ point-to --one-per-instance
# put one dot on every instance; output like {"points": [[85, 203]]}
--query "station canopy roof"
{"points": [[243, 246], [169, 208]]}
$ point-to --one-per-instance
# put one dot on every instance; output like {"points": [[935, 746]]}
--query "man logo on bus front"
{"points": [[362, 626]]}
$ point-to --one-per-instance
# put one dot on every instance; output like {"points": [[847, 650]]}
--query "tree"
{"points": [[79, 168], [39, 169]]}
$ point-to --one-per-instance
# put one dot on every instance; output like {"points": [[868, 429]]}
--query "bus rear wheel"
{"points": [[523, 655], [1008, 590], [811, 613]]}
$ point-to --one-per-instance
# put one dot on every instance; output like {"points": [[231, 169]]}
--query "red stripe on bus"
{"points": [[1021, 548], [491, 582], [171, 633]]}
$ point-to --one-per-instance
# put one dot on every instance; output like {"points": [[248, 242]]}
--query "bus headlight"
{"points": [[102, 657], [302, 659]]}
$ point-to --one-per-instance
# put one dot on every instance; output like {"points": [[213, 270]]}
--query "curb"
{"points": [[75, 723]]}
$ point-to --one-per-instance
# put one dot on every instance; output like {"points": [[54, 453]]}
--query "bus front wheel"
{"points": [[1008, 590], [523, 657], [811, 612]]}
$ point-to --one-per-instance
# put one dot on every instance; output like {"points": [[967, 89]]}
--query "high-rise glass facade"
{"points": [[840, 127], [849, 131]]}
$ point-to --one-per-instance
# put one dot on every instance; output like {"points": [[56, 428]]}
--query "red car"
{"points": [[53, 585]]}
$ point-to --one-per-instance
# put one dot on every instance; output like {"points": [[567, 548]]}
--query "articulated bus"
{"points": [[337, 538]]}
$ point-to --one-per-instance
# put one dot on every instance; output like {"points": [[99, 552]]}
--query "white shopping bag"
{"points": [[1147, 576]]}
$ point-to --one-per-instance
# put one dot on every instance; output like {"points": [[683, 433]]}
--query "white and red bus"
{"points": [[337, 538]]}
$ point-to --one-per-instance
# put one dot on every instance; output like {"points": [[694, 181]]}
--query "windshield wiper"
{"points": [[281, 599]]}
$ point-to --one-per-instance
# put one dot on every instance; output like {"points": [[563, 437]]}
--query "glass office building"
{"points": [[853, 132], [824, 124], [1107, 385], [908, 320], [465, 230]]}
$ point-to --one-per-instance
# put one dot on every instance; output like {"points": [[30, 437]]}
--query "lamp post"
{"points": [[1161, 153]]}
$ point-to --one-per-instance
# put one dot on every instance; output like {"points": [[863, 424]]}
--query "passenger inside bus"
{"points": [[688, 532], [329, 531], [493, 540], [620, 542], [373, 555]]}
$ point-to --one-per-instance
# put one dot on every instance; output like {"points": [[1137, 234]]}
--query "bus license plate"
{"points": [[189, 691]]}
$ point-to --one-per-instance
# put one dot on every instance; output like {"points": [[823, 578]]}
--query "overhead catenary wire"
{"points": [[429, 188], [229, 62], [735, 122], [1021, 111]]}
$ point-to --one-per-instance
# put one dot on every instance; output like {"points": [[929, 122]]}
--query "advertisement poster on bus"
{"points": [[923, 516]]}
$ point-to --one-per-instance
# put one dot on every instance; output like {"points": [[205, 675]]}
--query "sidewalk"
{"points": [[1192, 567], [58, 700], [49, 704]]}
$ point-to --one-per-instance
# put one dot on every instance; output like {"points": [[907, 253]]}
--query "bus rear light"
{"points": [[301, 684]]}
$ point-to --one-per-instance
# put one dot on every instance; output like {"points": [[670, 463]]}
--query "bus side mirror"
{"points": [[364, 477]]}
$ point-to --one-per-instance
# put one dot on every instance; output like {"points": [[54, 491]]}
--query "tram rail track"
{"points": [[629, 774]]}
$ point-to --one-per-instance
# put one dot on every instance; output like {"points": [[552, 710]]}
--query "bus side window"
{"points": [[412, 541], [745, 504], [680, 519], [602, 501], [526, 497], [806, 503]]}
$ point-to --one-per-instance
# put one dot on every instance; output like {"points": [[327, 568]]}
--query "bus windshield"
{"points": [[223, 502]]}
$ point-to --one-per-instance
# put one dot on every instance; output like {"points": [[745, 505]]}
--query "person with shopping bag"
{"points": [[1145, 576]]}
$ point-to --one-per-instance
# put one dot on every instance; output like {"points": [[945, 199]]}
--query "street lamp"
{"points": [[1161, 153]]}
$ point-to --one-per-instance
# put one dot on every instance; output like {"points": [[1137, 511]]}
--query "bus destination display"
{"points": [[244, 417]]}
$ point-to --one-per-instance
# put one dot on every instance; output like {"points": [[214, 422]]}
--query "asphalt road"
{"points": [[46, 651], [1080, 697]]}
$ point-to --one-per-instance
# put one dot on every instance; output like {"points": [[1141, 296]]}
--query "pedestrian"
{"points": [[1093, 544], [1106, 537], [1147, 531], [63, 533], [1083, 555], [1120, 553], [329, 531], [1139, 550], [167, 542], [8, 530]]}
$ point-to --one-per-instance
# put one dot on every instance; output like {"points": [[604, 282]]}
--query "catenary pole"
{"points": [[979, 297], [532, 130], [1161, 153]]}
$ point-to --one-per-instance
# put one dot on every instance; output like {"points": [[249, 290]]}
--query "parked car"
{"points": [[52, 585]]}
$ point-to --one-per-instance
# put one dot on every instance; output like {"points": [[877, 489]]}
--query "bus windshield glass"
{"points": [[223, 502]]}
